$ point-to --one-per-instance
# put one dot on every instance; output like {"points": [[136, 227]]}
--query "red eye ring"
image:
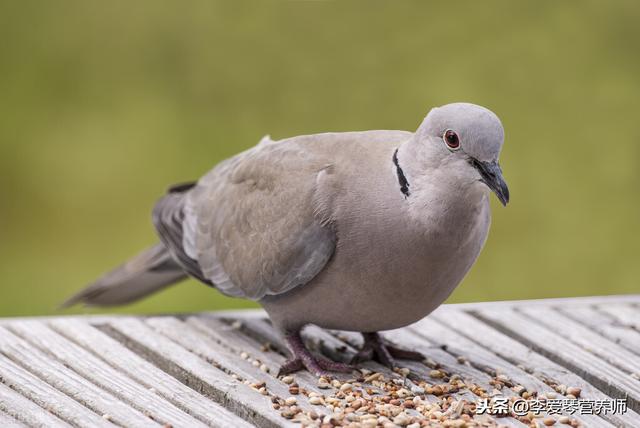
{"points": [[451, 139]]}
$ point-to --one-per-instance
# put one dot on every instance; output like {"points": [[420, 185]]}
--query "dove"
{"points": [[357, 231]]}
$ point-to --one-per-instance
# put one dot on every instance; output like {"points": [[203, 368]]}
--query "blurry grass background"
{"points": [[104, 104]]}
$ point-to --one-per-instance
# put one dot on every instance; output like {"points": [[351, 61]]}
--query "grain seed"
{"points": [[316, 401], [574, 390], [288, 380], [290, 401], [436, 374]]}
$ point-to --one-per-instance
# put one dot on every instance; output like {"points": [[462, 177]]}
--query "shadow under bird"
{"points": [[359, 231]]}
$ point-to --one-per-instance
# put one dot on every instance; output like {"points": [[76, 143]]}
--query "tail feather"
{"points": [[144, 274]]}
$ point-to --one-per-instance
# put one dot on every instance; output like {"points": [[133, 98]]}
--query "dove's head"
{"points": [[465, 139]]}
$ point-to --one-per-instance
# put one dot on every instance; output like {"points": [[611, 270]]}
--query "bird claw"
{"points": [[303, 359], [365, 354], [290, 366], [404, 354], [317, 366], [376, 349], [335, 366]]}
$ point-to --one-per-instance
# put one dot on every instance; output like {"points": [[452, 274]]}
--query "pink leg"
{"points": [[375, 348], [303, 359]]}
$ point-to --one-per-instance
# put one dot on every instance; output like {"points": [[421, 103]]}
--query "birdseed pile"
{"points": [[373, 399]]}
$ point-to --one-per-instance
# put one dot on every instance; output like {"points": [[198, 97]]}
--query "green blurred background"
{"points": [[104, 104]]}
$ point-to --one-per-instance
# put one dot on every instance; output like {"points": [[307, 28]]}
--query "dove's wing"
{"points": [[254, 225], [168, 219]]}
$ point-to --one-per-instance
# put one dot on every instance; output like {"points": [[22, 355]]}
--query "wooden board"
{"points": [[219, 369]]}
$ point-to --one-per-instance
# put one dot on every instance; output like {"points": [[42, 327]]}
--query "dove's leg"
{"points": [[303, 359], [375, 348]]}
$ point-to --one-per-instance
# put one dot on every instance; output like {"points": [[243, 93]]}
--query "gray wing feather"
{"points": [[253, 224], [168, 218]]}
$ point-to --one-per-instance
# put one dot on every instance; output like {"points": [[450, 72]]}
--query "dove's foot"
{"points": [[303, 359], [376, 349]]}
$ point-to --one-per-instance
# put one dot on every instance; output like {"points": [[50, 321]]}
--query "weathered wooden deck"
{"points": [[218, 369]]}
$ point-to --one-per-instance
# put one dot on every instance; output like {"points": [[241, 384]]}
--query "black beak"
{"points": [[492, 176]]}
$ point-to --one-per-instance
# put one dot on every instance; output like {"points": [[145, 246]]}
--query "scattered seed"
{"points": [[346, 387], [404, 371], [372, 400], [417, 390], [323, 383], [574, 390], [371, 378], [437, 390], [290, 401], [316, 400], [244, 355], [402, 419], [549, 421], [264, 368], [288, 380], [403, 393], [287, 413], [436, 374]]}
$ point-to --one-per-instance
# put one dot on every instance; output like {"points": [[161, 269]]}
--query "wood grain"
{"points": [[201, 369]]}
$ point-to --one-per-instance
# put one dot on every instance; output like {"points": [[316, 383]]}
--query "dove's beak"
{"points": [[492, 176]]}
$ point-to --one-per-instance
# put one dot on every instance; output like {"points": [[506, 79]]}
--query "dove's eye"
{"points": [[451, 139]]}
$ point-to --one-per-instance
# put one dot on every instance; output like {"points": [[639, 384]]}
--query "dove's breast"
{"points": [[390, 268]]}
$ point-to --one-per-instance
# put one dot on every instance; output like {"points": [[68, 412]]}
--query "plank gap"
{"points": [[142, 371], [606, 326], [255, 334], [60, 377], [19, 407], [127, 390], [585, 338], [8, 421], [241, 409], [607, 388]]}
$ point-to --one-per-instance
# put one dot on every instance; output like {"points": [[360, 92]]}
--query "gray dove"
{"points": [[359, 231]]}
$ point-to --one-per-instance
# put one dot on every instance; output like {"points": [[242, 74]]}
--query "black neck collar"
{"points": [[402, 180]]}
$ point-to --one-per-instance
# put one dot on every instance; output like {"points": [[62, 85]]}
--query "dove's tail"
{"points": [[144, 274]]}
